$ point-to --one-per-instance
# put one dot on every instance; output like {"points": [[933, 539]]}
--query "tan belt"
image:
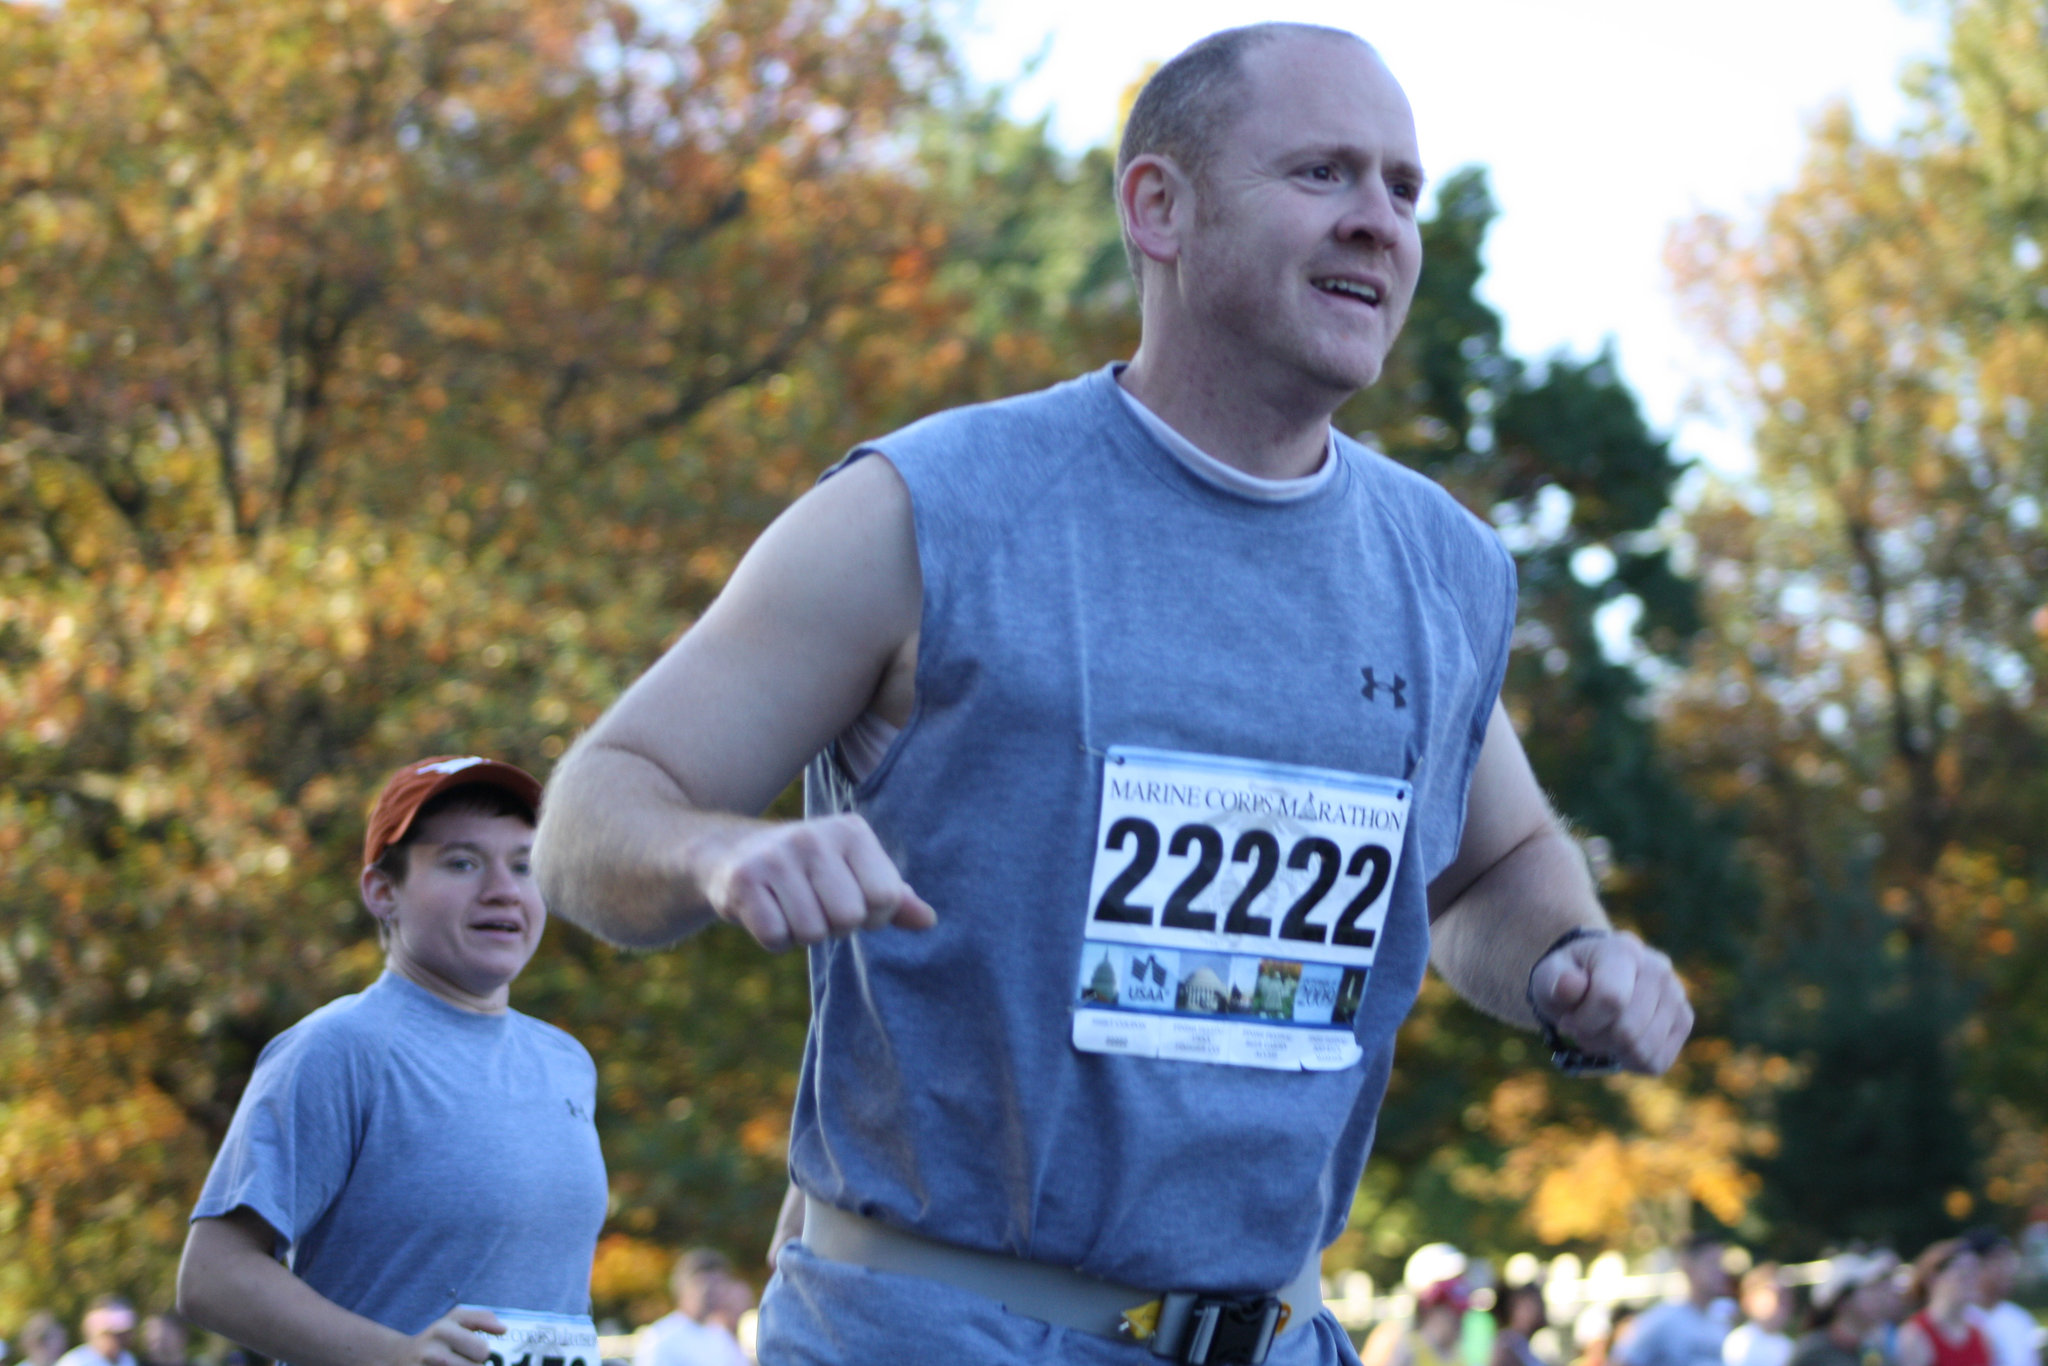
{"points": [[1178, 1324]]}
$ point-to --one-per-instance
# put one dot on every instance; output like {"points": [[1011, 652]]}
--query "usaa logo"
{"points": [[1148, 983]]}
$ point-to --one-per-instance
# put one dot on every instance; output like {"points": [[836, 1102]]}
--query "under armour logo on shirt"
{"points": [[1373, 686]]}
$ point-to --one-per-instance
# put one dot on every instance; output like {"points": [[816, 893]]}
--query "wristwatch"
{"points": [[1565, 1055]]}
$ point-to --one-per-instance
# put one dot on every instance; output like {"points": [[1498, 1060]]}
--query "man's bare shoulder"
{"points": [[840, 564], [811, 624]]}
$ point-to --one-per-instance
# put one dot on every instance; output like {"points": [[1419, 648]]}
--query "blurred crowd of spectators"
{"points": [[1952, 1305], [711, 1325], [110, 1334]]}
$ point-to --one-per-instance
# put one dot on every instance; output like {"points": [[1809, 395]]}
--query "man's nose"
{"points": [[1371, 218]]}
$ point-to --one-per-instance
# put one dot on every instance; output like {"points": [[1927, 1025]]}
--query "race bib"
{"points": [[1235, 909], [540, 1339]]}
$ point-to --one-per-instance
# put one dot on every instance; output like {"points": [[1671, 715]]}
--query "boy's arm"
{"points": [[229, 1282]]}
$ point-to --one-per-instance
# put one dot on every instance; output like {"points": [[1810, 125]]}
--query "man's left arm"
{"points": [[1515, 894]]}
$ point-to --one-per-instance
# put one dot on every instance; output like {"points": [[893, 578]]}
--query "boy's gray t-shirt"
{"points": [[413, 1155]]}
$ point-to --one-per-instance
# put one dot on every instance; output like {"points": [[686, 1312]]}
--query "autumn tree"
{"points": [[384, 378], [1872, 694], [1478, 1137]]}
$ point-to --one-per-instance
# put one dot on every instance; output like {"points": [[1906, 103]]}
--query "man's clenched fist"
{"points": [[1612, 994], [802, 882]]}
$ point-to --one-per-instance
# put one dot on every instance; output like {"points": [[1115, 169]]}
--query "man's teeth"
{"points": [[1352, 287]]}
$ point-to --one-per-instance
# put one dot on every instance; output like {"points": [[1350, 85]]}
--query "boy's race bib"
{"points": [[1235, 909], [540, 1339]]}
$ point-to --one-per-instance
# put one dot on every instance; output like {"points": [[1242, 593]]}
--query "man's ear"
{"points": [[1157, 201], [380, 893]]}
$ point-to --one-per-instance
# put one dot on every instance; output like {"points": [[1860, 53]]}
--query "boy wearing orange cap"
{"points": [[423, 1154]]}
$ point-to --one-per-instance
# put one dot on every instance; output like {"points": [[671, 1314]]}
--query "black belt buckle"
{"points": [[1225, 1332]]}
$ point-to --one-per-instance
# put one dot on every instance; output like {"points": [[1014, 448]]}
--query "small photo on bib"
{"points": [[1315, 995], [1204, 984], [1244, 983], [1133, 977], [1273, 988], [1350, 992], [1101, 983]]}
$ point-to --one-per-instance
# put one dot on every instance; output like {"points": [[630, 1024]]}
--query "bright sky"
{"points": [[1601, 122]]}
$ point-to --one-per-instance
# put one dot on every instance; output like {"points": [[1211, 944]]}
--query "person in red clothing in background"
{"points": [[1941, 1333]]}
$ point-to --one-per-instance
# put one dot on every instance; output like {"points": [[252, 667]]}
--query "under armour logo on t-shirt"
{"points": [[1373, 685]]}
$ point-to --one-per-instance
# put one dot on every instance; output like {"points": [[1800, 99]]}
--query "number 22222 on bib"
{"points": [[1234, 909]]}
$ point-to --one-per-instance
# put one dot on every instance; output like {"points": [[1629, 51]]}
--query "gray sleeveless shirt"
{"points": [[1083, 590]]}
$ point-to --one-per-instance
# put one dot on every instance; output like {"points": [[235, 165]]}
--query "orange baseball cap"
{"points": [[412, 786]]}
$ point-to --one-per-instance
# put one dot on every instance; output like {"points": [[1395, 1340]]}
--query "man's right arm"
{"points": [[229, 1282], [650, 829]]}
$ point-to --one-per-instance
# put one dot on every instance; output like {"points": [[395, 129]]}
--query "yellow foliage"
{"points": [[93, 1156], [1589, 1184], [1516, 1105], [2017, 1168], [766, 1134], [631, 1274]]}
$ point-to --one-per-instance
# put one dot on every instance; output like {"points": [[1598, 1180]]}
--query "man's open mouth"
{"points": [[1352, 289]]}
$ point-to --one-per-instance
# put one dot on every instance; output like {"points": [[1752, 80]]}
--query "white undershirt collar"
{"points": [[1229, 478]]}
